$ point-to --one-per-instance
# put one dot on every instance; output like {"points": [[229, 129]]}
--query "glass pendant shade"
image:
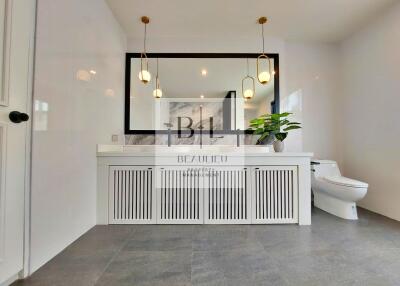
{"points": [[248, 94], [248, 84], [248, 87], [263, 75], [144, 74], [157, 93]]}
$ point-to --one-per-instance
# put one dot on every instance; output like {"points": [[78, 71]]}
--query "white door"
{"points": [[16, 53]]}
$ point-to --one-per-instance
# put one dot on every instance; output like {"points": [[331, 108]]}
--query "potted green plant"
{"points": [[274, 126]]}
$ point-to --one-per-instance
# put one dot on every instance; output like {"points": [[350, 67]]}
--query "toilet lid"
{"points": [[343, 181]]}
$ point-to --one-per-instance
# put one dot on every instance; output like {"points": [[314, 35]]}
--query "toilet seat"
{"points": [[343, 181]]}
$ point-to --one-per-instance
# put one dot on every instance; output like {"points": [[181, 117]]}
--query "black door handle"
{"points": [[18, 117]]}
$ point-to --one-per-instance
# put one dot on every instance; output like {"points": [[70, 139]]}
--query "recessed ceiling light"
{"points": [[204, 72], [110, 92], [83, 75], [201, 96]]}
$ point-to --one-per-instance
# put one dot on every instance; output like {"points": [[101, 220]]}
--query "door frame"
{"points": [[28, 147], [26, 271]]}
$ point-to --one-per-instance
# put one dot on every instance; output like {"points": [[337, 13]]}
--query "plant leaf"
{"points": [[259, 131], [292, 127], [285, 114], [284, 122], [281, 136], [275, 116], [272, 124]]}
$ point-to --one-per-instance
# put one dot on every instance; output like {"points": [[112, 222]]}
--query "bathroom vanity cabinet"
{"points": [[211, 185]]}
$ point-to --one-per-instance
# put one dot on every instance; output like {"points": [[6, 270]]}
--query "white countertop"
{"points": [[165, 151]]}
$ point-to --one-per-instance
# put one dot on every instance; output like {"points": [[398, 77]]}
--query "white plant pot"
{"points": [[279, 146]]}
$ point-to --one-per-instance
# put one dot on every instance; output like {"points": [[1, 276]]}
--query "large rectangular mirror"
{"points": [[198, 91]]}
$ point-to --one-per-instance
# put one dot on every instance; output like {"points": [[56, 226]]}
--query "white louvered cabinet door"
{"points": [[131, 195], [227, 198], [179, 195], [275, 194]]}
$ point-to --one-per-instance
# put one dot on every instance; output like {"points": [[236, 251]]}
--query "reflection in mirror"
{"points": [[196, 93]]}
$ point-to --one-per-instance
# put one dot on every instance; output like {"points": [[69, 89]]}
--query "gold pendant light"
{"points": [[248, 85], [144, 74], [157, 93], [263, 76]]}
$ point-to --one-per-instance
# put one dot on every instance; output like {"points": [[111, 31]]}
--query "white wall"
{"points": [[71, 117], [370, 129], [312, 89]]}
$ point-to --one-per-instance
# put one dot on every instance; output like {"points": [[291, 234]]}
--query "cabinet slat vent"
{"points": [[180, 195], [227, 196], [132, 195], [275, 195]]}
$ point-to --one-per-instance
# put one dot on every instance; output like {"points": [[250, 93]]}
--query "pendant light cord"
{"points": [[157, 68], [145, 37], [157, 79], [247, 64], [262, 33]]}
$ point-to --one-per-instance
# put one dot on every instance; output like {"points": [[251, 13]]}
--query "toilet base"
{"points": [[346, 210]]}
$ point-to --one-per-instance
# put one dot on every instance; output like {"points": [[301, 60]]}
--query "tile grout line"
{"points": [[114, 256]]}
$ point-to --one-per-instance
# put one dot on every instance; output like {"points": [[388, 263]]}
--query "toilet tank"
{"points": [[325, 168]]}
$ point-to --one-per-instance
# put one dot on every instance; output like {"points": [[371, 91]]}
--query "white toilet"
{"points": [[332, 192]]}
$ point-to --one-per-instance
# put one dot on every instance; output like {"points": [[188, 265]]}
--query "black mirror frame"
{"points": [[130, 56]]}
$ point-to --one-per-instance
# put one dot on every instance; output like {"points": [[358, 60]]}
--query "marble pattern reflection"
{"points": [[195, 111]]}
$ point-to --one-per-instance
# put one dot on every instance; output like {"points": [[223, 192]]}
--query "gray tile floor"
{"points": [[330, 252]]}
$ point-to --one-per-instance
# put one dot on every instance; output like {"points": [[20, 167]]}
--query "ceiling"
{"points": [[306, 20]]}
